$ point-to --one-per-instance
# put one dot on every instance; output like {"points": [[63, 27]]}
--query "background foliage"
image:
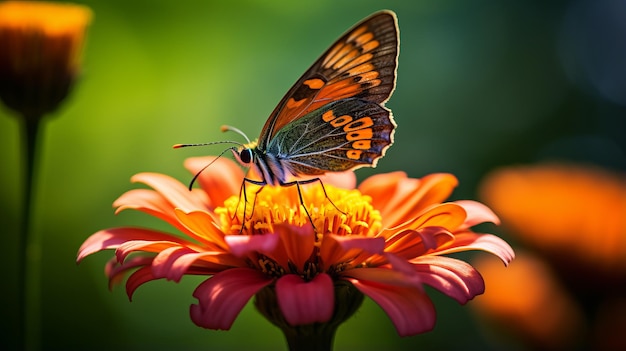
{"points": [[480, 84]]}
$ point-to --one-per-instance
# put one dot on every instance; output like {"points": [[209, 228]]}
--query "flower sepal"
{"points": [[314, 336]]}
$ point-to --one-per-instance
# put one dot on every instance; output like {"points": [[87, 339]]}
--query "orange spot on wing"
{"points": [[354, 154], [364, 38], [361, 123], [339, 91], [341, 52], [350, 55], [314, 83], [368, 76], [362, 144], [356, 33], [332, 54], [370, 46], [361, 64], [341, 121], [328, 116], [360, 134], [292, 103]]}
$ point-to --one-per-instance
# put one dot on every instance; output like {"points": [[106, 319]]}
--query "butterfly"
{"points": [[333, 118]]}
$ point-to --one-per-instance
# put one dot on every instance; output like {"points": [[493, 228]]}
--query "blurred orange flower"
{"points": [[571, 290], [41, 52], [385, 238], [575, 212], [529, 303]]}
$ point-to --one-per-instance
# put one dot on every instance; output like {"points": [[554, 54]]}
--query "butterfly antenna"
{"points": [[193, 180], [236, 130], [178, 146]]}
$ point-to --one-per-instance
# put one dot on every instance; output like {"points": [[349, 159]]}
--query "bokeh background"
{"points": [[481, 84]]}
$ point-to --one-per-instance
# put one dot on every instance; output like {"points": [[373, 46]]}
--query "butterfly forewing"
{"points": [[361, 64]]}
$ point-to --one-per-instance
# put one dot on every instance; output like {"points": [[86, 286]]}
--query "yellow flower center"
{"points": [[342, 212]]}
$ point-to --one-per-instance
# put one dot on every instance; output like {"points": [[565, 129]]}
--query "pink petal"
{"points": [[411, 243], [241, 245], [129, 247], [223, 296], [408, 307], [400, 264], [114, 237], [303, 302], [220, 181], [386, 275], [477, 213], [177, 194], [337, 248], [466, 241], [138, 278], [116, 271], [174, 262], [453, 277]]}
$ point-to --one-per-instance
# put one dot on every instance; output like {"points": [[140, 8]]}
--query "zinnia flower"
{"points": [[384, 239]]}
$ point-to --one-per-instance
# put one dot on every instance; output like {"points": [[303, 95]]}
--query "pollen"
{"points": [[325, 208]]}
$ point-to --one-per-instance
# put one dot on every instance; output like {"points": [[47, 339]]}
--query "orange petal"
{"points": [[172, 190], [150, 202], [298, 244], [221, 180], [448, 215], [203, 228], [414, 243], [399, 198]]}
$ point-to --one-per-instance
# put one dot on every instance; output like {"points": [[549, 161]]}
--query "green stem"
{"points": [[315, 337], [29, 247]]}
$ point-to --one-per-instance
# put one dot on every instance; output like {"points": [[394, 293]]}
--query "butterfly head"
{"points": [[244, 154]]}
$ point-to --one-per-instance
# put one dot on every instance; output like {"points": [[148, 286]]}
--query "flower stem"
{"points": [[29, 248], [316, 337]]}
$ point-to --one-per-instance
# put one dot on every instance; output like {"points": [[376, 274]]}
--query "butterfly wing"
{"points": [[361, 64], [342, 135]]}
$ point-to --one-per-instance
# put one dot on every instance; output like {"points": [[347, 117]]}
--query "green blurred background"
{"points": [[481, 84]]}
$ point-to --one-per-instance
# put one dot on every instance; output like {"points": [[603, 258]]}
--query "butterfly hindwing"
{"points": [[361, 64], [345, 134]]}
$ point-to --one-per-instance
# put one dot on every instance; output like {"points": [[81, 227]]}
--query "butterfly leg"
{"points": [[297, 183], [309, 181], [245, 199]]}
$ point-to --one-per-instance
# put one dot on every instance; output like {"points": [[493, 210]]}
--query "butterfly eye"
{"points": [[246, 156]]}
